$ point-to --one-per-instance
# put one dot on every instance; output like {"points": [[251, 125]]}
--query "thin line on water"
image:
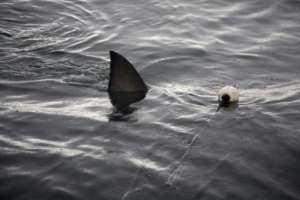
{"points": [[179, 162]]}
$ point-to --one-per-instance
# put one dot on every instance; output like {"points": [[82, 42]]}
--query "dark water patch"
{"points": [[5, 34]]}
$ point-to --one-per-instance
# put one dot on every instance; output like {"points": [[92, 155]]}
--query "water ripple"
{"points": [[58, 142]]}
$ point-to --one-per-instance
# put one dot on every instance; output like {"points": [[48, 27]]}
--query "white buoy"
{"points": [[228, 94]]}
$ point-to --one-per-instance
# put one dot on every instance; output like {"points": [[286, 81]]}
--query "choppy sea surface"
{"points": [[59, 141]]}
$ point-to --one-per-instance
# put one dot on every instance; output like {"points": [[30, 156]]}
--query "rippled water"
{"points": [[58, 141]]}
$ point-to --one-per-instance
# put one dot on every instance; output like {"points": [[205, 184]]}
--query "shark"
{"points": [[125, 86]]}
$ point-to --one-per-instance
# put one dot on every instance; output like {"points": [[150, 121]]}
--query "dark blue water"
{"points": [[59, 141]]}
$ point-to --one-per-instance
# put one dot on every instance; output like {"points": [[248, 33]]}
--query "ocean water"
{"points": [[59, 140]]}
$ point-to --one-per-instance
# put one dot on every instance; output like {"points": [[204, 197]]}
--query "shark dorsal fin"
{"points": [[123, 76]]}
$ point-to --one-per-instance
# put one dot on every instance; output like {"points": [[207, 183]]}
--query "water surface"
{"points": [[58, 139]]}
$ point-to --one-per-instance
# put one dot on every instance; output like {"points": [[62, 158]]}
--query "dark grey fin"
{"points": [[122, 100], [125, 85], [123, 77]]}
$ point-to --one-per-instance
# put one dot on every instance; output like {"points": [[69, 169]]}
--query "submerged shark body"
{"points": [[125, 84]]}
